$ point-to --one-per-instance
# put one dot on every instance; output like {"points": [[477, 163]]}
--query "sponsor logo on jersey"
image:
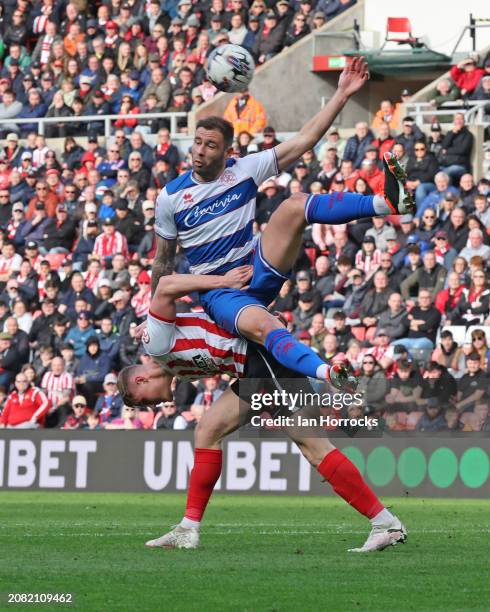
{"points": [[216, 208], [204, 364], [146, 336], [188, 198]]}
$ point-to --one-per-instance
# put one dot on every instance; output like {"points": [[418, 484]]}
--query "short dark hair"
{"points": [[123, 382], [473, 356], [220, 125]]}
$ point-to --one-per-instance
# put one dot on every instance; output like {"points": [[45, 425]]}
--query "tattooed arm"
{"points": [[163, 262]]}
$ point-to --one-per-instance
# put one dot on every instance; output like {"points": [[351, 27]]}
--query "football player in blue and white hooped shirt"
{"points": [[211, 211]]}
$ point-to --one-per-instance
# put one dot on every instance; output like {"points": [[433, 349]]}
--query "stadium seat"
{"points": [[55, 260], [471, 329], [359, 333], [147, 418], [399, 30]]}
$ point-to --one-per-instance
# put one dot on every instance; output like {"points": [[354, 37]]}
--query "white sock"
{"points": [[382, 518], [380, 206], [321, 372], [189, 523]]}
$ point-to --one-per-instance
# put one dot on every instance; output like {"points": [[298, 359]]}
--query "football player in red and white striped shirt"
{"points": [[110, 242], [193, 346]]}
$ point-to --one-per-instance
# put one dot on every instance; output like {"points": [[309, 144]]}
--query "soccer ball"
{"points": [[230, 68]]}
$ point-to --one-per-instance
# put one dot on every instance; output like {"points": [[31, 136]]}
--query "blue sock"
{"points": [[295, 355], [339, 207]]}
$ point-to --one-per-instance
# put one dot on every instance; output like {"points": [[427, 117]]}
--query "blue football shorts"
{"points": [[224, 306]]}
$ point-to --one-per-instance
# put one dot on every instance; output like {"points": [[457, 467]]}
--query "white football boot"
{"points": [[178, 537], [382, 536]]}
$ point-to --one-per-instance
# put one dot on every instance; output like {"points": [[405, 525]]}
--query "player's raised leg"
{"points": [[283, 235], [224, 418]]}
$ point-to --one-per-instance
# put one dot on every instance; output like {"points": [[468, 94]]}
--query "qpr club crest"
{"points": [[146, 336], [228, 178]]}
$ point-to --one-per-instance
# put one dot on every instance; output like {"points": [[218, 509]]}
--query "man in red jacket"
{"points": [[466, 75], [25, 407]]}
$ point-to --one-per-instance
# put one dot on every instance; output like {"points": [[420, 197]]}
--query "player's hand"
{"points": [[140, 330], [353, 76], [238, 277]]}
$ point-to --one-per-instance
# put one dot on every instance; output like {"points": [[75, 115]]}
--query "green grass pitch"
{"points": [[258, 553]]}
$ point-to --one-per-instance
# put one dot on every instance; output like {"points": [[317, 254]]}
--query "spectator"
{"points": [[109, 404], [57, 383], [474, 304], [123, 314], [432, 420], [9, 360], [357, 144], [405, 388], [91, 370], [394, 319], [457, 145], [246, 114], [269, 40], [25, 407], [466, 75], [430, 276], [448, 353], [78, 418], [168, 418], [110, 242], [387, 114], [374, 302], [297, 30], [447, 299], [78, 335], [128, 420], [472, 387], [410, 134], [476, 246], [423, 320], [421, 170], [445, 91], [304, 312], [439, 387], [368, 258]]}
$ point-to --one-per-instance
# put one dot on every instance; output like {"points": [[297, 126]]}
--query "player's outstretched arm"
{"points": [[174, 286], [351, 80]]}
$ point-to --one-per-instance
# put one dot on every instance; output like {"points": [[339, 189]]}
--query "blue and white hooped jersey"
{"points": [[214, 221]]}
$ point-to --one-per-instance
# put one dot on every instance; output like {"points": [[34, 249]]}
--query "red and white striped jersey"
{"points": [[107, 246], [55, 386], [193, 346]]}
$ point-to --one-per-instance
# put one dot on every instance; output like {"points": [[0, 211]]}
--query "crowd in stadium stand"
{"points": [[406, 300], [80, 58]]}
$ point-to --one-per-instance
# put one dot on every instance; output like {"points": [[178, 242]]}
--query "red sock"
{"points": [[204, 475], [346, 481]]}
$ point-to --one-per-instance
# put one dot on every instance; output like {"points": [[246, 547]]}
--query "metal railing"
{"points": [[106, 119], [473, 110]]}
